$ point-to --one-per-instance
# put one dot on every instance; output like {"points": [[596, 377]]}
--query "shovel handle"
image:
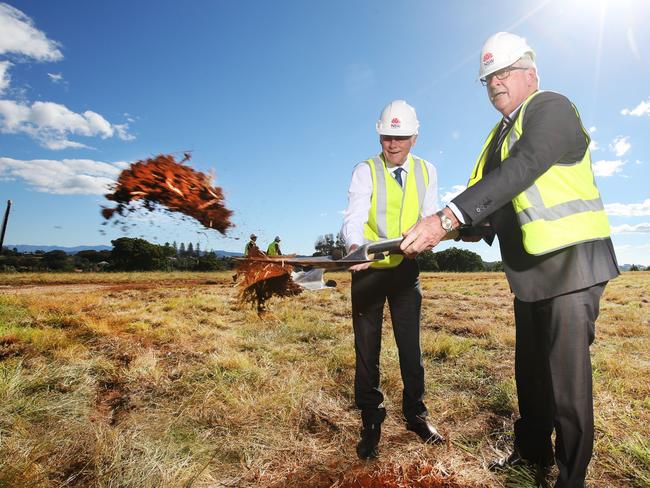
{"points": [[383, 246]]}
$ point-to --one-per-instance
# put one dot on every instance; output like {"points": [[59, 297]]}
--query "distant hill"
{"points": [[68, 250], [76, 249]]}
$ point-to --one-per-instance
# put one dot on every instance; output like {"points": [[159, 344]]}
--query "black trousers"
{"points": [[554, 381], [370, 290]]}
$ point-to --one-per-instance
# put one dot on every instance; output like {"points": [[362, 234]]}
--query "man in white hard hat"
{"points": [[274, 248], [387, 195], [251, 245], [534, 185]]}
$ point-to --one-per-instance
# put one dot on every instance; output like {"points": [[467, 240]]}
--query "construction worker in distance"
{"points": [[387, 195], [534, 184], [274, 247], [251, 245]]}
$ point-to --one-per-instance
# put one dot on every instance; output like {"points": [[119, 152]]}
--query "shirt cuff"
{"points": [[457, 212]]}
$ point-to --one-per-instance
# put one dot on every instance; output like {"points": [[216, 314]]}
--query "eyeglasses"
{"points": [[500, 75], [386, 138]]}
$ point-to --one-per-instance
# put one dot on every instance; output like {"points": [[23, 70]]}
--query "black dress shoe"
{"points": [[424, 430], [367, 446], [515, 459]]}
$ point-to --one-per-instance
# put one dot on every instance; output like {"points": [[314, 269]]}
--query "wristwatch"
{"points": [[445, 222]]}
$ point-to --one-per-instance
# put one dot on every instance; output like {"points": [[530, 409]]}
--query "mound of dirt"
{"points": [[162, 181], [264, 279]]}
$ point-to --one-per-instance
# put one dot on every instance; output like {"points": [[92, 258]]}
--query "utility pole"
{"points": [[4, 225]]}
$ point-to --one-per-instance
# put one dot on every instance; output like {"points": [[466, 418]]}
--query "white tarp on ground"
{"points": [[310, 280]]}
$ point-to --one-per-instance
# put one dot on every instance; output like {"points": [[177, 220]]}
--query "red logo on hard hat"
{"points": [[488, 59], [395, 123]]}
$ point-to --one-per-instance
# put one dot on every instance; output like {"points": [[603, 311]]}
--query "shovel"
{"points": [[371, 251]]}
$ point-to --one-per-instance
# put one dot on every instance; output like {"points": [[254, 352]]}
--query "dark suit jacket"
{"points": [[552, 134]]}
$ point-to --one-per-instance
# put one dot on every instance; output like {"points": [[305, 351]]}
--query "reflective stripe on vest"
{"points": [[562, 207], [393, 209]]}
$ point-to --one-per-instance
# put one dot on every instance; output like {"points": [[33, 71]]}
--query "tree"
{"points": [[181, 250], [94, 256], [139, 255], [197, 249], [459, 260], [327, 245], [190, 249], [494, 266], [57, 260], [427, 261]]}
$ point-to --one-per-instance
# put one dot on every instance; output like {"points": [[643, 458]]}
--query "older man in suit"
{"points": [[534, 185]]}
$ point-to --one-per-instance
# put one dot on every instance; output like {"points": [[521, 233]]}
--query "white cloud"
{"points": [[643, 228], [19, 36], [450, 195], [592, 129], [608, 168], [64, 177], [629, 209], [51, 123], [55, 77], [5, 79], [643, 108], [593, 146], [620, 146], [123, 132]]}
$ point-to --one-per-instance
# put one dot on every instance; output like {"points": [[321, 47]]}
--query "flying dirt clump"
{"points": [[163, 181], [264, 279]]}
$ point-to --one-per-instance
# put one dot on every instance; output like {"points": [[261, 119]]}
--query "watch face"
{"points": [[445, 222]]}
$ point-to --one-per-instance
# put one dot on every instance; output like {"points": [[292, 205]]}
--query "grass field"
{"points": [[163, 380]]}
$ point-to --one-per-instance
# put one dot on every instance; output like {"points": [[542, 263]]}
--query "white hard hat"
{"points": [[398, 119], [253, 236], [277, 238], [501, 50]]}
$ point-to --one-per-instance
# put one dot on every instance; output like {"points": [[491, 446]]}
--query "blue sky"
{"points": [[279, 99]]}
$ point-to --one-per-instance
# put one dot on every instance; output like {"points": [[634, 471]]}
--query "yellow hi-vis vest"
{"points": [[394, 210], [562, 207], [272, 250]]}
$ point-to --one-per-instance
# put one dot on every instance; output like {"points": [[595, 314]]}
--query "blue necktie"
{"points": [[397, 174]]}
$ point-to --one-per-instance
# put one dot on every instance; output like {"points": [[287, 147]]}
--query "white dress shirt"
{"points": [[360, 193]]}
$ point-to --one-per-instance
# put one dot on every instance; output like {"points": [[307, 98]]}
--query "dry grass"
{"points": [[162, 380]]}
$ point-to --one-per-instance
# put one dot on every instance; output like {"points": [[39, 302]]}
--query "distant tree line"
{"points": [[128, 254], [131, 254], [455, 260]]}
